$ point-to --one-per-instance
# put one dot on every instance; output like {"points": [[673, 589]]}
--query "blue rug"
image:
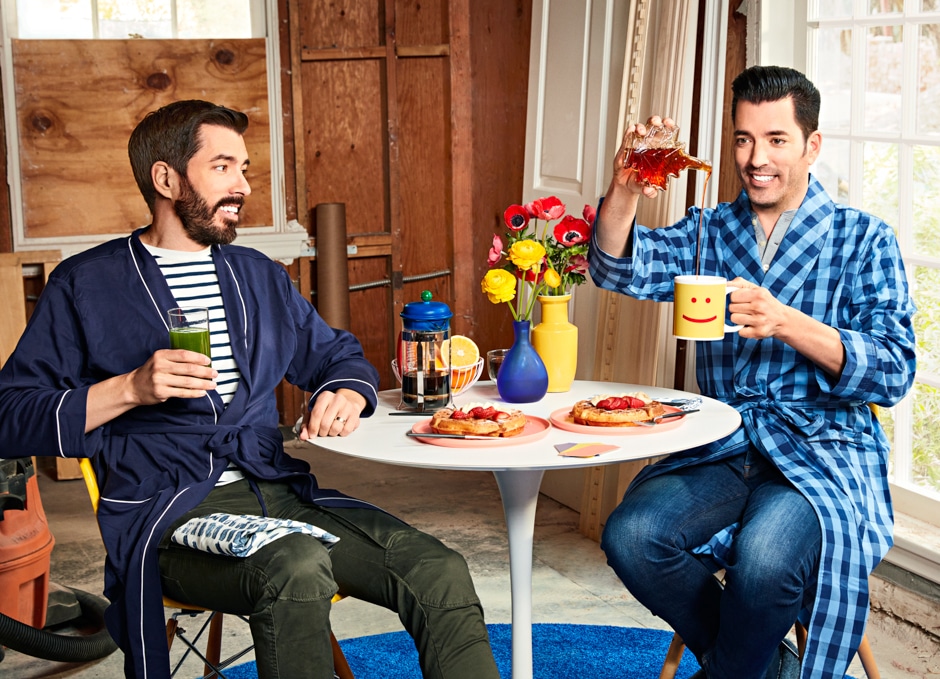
{"points": [[561, 651]]}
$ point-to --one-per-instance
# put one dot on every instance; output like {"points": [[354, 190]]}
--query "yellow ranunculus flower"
{"points": [[499, 286], [526, 254], [551, 278]]}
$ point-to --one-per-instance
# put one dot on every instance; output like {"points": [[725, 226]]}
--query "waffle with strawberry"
{"points": [[622, 410], [478, 419]]}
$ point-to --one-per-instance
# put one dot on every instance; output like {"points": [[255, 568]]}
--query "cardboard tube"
{"points": [[332, 267]]}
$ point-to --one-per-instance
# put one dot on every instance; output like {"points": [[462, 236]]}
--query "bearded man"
{"points": [[176, 436]]}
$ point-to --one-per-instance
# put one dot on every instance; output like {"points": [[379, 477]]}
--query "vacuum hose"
{"points": [[62, 647]]}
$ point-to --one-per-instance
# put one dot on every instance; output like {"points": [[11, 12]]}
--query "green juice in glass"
{"points": [[192, 339]]}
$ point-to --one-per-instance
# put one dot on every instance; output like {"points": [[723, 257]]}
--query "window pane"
{"points": [[930, 5], [927, 319], [880, 181], [120, 19], [834, 77], [832, 169], [883, 79], [829, 9], [213, 18], [885, 6], [928, 80], [926, 455], [54, 19], [925, 187]]}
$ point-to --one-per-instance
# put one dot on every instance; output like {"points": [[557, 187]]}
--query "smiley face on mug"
{"points": [[700, 307]]}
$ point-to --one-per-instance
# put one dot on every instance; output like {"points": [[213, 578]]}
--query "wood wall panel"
{"points": [[73, 134], [425, 180], [342, 24], [421, 23], [344, 140]]}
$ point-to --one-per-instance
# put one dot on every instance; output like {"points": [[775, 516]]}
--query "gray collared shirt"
{"points": [[768, 246]]}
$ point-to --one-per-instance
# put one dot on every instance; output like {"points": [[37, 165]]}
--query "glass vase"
{"points": [[556, 341], [522, 378]]}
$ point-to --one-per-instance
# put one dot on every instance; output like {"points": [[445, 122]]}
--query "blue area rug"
{"points": [[562, 651]]}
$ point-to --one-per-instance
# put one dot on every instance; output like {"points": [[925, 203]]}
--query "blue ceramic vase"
{"points": [[522, 378]]}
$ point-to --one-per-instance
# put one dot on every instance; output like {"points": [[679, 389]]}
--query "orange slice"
{"points": [[463, 351]]}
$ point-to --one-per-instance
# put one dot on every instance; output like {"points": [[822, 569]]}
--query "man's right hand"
{"points": [[169, 373], [615, 219]]}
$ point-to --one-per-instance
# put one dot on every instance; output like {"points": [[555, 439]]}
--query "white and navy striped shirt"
{"points": [[194, 283]]}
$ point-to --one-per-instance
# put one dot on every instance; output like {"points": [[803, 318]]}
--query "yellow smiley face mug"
{"points": [[699, 309]]}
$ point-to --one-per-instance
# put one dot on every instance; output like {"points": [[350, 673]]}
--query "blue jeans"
{"points": [[735, 629]]}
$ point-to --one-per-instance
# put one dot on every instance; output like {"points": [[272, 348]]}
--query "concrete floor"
{"points": [[572, 582]]}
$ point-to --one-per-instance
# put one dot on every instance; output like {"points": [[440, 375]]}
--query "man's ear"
{"points": [[814, 146], [165, 180]]}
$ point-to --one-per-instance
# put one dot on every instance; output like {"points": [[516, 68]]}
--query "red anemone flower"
{"points": [[577, 264], [571, 231], [589, 214], [516, 217], [546, 208]]}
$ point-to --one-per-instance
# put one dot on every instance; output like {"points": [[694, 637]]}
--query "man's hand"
{"points": [[756, 309], [168, 373], [618, 210], [764, 316], [333, 414]]}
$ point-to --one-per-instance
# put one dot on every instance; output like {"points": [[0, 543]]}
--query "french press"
{"points": [[425, 372]]}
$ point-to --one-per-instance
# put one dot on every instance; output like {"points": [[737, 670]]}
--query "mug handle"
{"points": [[731, 328]]}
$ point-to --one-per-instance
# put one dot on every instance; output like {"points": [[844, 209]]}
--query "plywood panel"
{"points": [[342, 24], [344, 140], [421, 23], [425, 179], [73, 130]]}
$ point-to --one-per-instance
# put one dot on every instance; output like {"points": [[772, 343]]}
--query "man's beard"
{"points": [[198, 218]]}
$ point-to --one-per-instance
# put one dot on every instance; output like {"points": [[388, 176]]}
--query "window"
{"points": [[84, 19], [877, 66], [237, 38]]}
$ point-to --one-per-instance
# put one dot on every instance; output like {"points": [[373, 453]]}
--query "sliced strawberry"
{"points": [[460, 415]]}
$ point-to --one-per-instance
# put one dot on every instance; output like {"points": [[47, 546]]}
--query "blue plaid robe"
{"points": [[842, 267]]}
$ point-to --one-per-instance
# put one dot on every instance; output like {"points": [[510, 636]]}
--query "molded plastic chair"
{"points": [[212, 659]]}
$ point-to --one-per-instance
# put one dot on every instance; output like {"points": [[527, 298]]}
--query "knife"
{"points": [[680, 413], [450, 436]]}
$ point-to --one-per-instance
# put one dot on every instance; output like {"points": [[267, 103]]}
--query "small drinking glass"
{"points": [[189, 329], [494, 359]]}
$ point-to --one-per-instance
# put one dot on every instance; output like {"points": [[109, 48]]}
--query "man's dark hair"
{"points": [[758, 84], [172, 134]]}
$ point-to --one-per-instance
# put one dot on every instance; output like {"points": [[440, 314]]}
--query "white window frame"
{"points": [[778, 34], [282, 240]]}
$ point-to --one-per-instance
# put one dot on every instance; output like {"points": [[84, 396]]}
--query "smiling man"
{"points": [[794, 506], [175, 438]]}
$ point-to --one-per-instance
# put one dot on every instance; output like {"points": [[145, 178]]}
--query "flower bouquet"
{"points": [[533, 261]]}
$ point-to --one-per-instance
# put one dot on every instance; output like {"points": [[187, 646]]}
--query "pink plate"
{"points": [[561, 418], [535, 428]]}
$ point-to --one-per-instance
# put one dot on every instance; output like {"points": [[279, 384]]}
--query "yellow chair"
{"points": [[212, 658]]}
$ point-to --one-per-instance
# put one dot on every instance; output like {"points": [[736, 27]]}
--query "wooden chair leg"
{"points": [[214, 644], [868, 659], [171, 626], [673, 658], [340, 666]]}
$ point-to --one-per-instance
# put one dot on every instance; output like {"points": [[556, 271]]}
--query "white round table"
{"points": [[519, 468]]}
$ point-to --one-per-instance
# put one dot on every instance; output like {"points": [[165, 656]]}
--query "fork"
{"points": [[652, 423]]}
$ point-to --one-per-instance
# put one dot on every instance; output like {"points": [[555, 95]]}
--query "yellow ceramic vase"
{"points": [[556, 341]]}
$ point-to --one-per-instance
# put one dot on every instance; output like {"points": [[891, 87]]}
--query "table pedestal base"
{"points": [[519, 490]]}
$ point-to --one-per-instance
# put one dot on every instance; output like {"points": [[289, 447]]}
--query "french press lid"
{"points": [[426, 315]]}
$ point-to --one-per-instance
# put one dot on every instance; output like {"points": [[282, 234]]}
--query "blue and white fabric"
{"points": [[241, 535]]}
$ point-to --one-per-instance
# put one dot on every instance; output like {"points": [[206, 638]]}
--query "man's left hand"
{"points": [[333, 414]]}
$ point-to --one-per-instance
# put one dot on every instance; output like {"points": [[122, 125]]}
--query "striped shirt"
{"points": [[193, 281]]}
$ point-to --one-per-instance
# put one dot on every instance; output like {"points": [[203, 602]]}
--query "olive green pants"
{"points": [[285, 588]]}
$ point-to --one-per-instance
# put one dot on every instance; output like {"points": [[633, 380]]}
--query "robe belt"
{"points": [[224, 441], [804, 416]]}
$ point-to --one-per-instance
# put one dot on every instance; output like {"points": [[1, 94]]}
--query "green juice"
{"points": [[192, 339]]}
